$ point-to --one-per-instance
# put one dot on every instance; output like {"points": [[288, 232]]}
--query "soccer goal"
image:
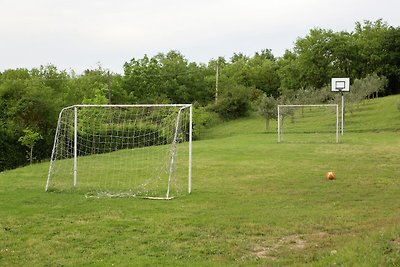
{"points": [[123, 151], [308, 123]]}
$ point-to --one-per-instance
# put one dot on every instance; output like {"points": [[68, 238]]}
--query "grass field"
{"points": [[254, 203]]}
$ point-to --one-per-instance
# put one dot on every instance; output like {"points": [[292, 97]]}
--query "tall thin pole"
{"points": [[342, 112], [190, 148], [216, 82], [279, 126], [337, 124], [109, 88], [75, 144]]}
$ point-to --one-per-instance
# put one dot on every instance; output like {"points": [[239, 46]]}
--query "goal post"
{"points": [[123, 150], [308, 123]]}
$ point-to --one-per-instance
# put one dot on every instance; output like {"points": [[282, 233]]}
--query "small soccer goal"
{"points": [[308, 123], [123, 151]]}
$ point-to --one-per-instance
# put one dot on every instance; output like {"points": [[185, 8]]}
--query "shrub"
{"points": [[12, 154], [233, 103], [203, 118]]}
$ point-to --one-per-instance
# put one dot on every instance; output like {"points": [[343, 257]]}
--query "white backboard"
{"points": [[340, 85]]}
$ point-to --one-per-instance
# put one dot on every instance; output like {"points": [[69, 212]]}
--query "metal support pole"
{"points": [[190, 149], [109, 87], [337, 124], [342, 112], [216, 83], [75, 144], [279, 126]]}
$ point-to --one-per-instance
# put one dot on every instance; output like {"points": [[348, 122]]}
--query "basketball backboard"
{"points": [[340, 85]]}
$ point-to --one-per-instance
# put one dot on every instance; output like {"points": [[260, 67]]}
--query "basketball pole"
{"points": [[342, 111], [341, 85]]}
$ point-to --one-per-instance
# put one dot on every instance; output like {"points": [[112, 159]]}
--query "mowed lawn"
{"points": [[254, 203]]}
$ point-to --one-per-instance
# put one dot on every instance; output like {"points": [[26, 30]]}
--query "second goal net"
{"points": [[308, 123], [123, 150]]}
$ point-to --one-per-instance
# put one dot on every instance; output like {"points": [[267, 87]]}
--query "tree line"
{"points": [[30, 99]]}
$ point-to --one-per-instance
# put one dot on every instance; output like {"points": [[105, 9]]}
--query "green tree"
{"points": [[290, 72], [237, 72], [268, 109], [167, 78], [263, 73], [314, 56], [142, 80], [174, 74], [391, 58], [365, 87], [368, 37], [29, 140], [233, 103]]}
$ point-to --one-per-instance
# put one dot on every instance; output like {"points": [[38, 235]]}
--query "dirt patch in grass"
{"points": [[262, 252], [293, 242], [396, 241], [271, 249]]}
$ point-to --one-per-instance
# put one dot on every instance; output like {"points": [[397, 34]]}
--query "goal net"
{"points": [[123, 150], [308, 123]]}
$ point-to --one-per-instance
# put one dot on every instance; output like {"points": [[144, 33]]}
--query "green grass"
{"points": [[254, 203]]}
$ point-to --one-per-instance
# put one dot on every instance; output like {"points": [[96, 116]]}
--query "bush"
{"points": [[233, 103], [12, 154], [203, 118]]}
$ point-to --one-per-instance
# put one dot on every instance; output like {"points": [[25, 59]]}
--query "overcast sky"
{"points": [[79, 34]]}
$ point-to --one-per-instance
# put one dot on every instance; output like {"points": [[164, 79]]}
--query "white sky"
{"points": [[79, 34]]}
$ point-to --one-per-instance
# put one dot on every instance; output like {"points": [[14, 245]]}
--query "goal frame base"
{"points": [[159, 198]]}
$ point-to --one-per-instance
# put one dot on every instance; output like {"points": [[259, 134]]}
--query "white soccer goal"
{"points": [[123, 150], [308, 123]]}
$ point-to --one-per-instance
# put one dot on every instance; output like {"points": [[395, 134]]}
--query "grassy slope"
{"points": [[255, 202], [370, 116]]}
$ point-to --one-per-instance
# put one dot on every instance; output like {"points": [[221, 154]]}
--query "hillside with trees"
{"points": [[30, 99]]}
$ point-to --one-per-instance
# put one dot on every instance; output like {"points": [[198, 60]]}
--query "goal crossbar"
{"points": [[130, 105]]}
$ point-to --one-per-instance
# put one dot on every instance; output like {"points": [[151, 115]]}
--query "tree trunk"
{"points": [[266, 123], [31, 156]]}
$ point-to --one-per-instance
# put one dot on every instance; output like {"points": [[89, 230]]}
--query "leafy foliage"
{"points": [[234, 103], [366, 87], [268, 109], [29, 139]]}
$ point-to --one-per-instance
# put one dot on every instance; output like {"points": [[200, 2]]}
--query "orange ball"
{"points": [[330, 175]]}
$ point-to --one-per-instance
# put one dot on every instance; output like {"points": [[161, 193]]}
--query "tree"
{"points": [[315, 57], [290, 72], [29, 140], [166, 78], [365, 87], [368, 37], [233, 103], [268, 109], [237, 72], [263, 73], [142, 80], [176, 79], [391, 58]]}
